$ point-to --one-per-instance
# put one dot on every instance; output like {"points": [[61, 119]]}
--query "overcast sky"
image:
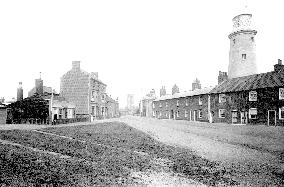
{"points": [[133, 45]]}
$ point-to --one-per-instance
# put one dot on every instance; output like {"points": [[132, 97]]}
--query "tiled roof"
{"points": [[251, 82], [186, 94]]}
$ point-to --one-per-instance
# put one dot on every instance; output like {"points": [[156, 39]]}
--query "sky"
{"points": [[135, 46]]}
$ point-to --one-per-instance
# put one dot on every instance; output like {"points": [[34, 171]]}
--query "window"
{"points": [[103, 97], [177, 102], [177, 114], [153, 107], [252, 96], [153, 113], [160, 114], [222, 113], [244, 56], [160, 104], [185, 113], [281, 93], [199, 101], [222, 98], [281, 113], [166, 104], [93, 110], [186, 102], [252, 39], [199, 113], [252, 113], [234, 41]]}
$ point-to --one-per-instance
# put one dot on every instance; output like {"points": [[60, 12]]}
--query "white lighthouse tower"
{"points": [[242, 58]]}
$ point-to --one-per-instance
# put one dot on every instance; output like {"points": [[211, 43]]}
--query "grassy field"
{"points": [[101, 154]]}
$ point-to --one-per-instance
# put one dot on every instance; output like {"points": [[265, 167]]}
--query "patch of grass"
{"points": [[111, 147]]}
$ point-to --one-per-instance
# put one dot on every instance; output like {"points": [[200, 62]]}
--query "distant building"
{"points": [[40, 89], [86, 91], [20, 92], [3, 113], [196, 84], [163, 91], [146, 104], [175, 89], [130, 102]]}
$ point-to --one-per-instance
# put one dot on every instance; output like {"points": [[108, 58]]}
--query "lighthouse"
{"points": [[242, 56]]}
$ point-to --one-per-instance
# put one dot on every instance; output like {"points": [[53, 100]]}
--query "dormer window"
{"points": [[244, 56]]}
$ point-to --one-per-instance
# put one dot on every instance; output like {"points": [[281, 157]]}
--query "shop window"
{"points": [[252, 113], [252, 96], [222, 113]]}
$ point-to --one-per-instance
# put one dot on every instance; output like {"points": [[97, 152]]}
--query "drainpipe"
{"points": [[209, 110]]}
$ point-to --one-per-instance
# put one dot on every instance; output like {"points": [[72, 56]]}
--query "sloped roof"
{"points": [[186, 94], [251, 82]]}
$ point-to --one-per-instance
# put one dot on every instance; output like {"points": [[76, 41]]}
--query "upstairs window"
{"points": [[244, 56], [177, 102], [252, 113], [281, 93], [160, 104], [222, 113], [166, 104], [186, 102], [222, 98], [199, 101], [252, 96]]}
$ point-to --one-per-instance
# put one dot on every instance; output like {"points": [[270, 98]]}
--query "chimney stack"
{"points": [[222, 77], [20, 92], [76, 65], [279, 67]]}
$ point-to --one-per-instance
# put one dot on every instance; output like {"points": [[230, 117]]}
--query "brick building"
{"points": [[191, 105], [253, 99], [87, 92]]}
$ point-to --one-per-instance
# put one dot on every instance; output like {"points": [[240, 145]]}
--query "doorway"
{"points": [[244, 119], [271, 118], [234, 116]]}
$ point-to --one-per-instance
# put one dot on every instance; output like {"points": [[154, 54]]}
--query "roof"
{"points": [[186, 94], [62, 104], [251, 82]]}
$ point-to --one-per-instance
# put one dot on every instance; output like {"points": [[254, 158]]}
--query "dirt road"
{"points": [[253, 153]]}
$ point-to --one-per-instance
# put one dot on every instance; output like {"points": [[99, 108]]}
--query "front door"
{"points": [[271, 118], [234, 116], [244, 118], [172, 114]]}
